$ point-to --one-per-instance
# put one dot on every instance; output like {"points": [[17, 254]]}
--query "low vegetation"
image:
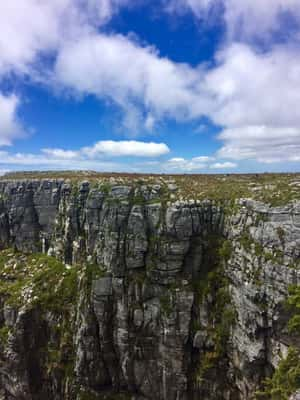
{"points": [[286, 378], [293, 303], [36, 279], [273, 189], [214, 291], [222, 317], [88, 395]]}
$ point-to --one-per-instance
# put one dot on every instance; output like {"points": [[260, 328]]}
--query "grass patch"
{"points": [[273, 189], [4, 332], [285, 380], [293, 304], [37, 280]]}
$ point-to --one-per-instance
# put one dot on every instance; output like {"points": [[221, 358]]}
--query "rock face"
{"points": [[295, 396], [185, 300]]}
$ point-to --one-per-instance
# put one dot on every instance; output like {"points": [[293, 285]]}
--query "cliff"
{"points": [[128, 291]]}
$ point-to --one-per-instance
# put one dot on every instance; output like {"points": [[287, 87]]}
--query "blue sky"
{"points": [[172, 86]]}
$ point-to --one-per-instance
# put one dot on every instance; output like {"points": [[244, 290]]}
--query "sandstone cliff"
{"points": [[124, 292]]}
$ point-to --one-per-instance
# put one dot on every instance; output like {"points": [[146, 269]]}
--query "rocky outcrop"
{"points": [[295, 396], [175, 300]]}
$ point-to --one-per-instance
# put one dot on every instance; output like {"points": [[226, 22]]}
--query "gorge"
{"points": [[125, 289]]}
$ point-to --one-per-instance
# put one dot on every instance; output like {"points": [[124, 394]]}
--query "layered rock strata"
{"points": [[172, 300]]}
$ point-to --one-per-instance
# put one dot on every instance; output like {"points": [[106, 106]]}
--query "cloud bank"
{"points": [[250, 93], [10, 126], [100, 155], [245, 20], [245, 93]]}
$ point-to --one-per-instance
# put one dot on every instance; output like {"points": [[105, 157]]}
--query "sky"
{"points": [[160, 86]]}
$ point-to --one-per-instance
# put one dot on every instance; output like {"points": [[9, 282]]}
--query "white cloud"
{"points": [[255, 100], [201, 8], [30, 28], [96, 157], [223, 165], [265, 144], [98, 64], [233, 94], [253, 95], [10, 127], [176, 160], [44, 161], [252, 88], [3, 171], [34, 161], [60, 153], [244, 19], [126, 148], [249, 19], [180, 164], [202, 159]]}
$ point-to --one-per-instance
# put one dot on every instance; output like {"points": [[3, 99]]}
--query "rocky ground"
{"points": [[148, 287]]}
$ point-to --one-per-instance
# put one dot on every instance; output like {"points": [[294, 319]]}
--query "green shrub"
{"points": [[4, 332], [285, 380], [225, 250], [37, 279], [293, 303]]}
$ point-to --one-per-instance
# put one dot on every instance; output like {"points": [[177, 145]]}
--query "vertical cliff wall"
{"points": [[122, 291]]}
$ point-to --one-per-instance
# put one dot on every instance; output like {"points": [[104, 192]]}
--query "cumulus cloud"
{"points": [[60, 153], [10, 127], [31, 28], [223, 165], [255, 98], [152, 88], [244, 90], [266, 144], [180, 164], [254, 88], [203, 159], [259, 19], [111, 148], [126, 148], [98, 64], [245, 20], [33, 161], [252, 95], [97, 156], [205, 10]]}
